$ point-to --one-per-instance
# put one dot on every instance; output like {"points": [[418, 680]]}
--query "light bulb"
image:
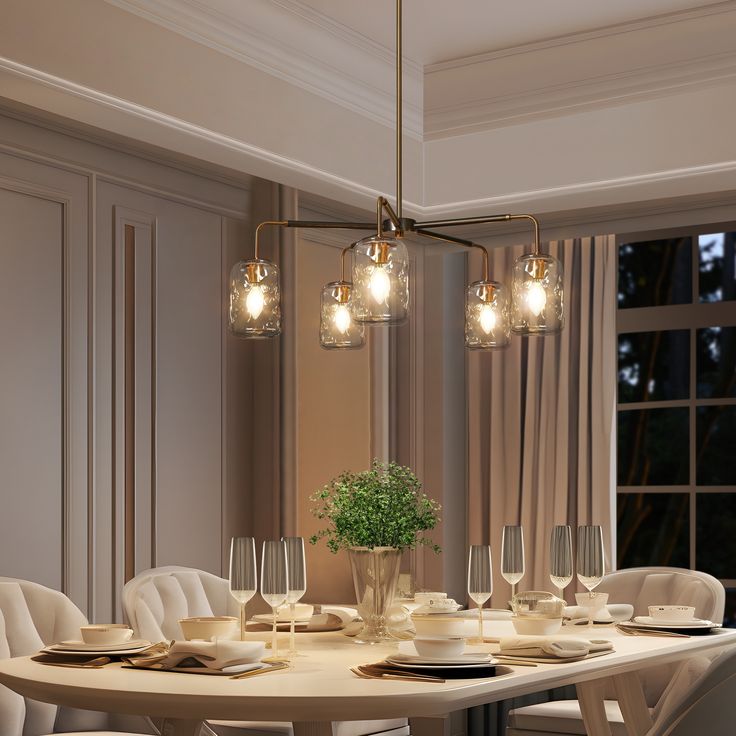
{"points": [[380, 284], [255, 301], [342, 318], [487, 318], [536, 297]]}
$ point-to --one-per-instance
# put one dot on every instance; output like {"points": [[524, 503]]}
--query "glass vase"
{"points": [[375, 576]]}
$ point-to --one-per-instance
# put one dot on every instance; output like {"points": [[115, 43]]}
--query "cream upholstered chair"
{"points": [[31, 617], [708, 706], [641, 587], [156, 599]]}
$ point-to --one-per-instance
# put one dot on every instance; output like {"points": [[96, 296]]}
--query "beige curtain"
{"points": [[542, 419]]}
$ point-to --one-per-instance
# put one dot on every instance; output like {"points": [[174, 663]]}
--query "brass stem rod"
{"points": [[342, 261], [258, 232], [399, 109], [462, 242]]}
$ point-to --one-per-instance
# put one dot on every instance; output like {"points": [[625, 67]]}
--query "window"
{"points": [[676, 468]]}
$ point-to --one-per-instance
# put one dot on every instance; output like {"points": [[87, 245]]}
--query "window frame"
{"points": [[693, 316]]}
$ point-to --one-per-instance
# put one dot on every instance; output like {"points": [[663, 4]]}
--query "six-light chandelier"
{"points": [[378, 292]]}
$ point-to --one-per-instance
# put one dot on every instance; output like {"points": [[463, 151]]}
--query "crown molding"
{"points": [[624, 63], [289, 40]]}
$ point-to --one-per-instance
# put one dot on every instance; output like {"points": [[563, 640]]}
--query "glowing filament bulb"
{"points": [[342, 318], [255, 301], [380, 284], [488, 318], [536, 297]]}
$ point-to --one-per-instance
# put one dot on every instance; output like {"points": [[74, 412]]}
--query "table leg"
{"points": [[313, 728], [178, 727], [438, 726], [634, 708], [590, 696]]}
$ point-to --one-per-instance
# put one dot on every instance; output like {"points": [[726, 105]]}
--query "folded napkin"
{"points": [[344, 613], [224, 655], [551, 646]]}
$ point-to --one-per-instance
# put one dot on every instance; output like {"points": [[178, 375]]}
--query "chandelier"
{"points": [[378, 291]]}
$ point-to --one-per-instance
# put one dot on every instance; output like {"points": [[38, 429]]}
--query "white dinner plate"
{"points": [[436, 665], [267, 618], [133, 647], [463, 659], [695, 623]]}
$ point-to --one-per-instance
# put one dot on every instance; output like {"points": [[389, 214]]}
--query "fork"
{"points": [[630, 631], [388, 676]]}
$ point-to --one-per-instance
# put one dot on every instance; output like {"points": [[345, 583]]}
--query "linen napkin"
{"points": [[551, 646], [225, 655]]}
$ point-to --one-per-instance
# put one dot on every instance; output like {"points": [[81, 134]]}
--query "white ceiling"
{"points": [[440, 30]]}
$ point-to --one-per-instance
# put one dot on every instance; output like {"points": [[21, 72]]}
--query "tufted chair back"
{"points": [[651, 586], [155, 600], [31, 617]]}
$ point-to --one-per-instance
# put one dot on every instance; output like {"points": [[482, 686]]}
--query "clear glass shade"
{"points": [[337, 328], [536, 295], [255, 299], [487, 322], [380, 280]]}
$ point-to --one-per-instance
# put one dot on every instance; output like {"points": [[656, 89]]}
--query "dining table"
{"points": [[319, 687]]}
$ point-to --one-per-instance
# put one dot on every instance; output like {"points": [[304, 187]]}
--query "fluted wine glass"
{"points": [[560, 555], [590, 563], [243, 574], [480, 580], [274, 582], [512, 556], [297, 582]]}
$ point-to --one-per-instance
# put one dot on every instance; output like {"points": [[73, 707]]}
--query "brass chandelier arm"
{"points": [[383, 205], [458, 241], [258, 232], [483, 220]]}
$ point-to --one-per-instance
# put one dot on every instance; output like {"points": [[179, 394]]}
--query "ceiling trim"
{"points": [[595, 92], [305, 48]]}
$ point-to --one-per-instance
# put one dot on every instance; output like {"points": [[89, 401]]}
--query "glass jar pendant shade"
{"points": [[337, 328], [487, 324], [537, 295], [380, 280], [255, 299]]}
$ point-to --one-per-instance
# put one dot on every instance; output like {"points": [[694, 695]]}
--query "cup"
{"points": [[106, 634]]}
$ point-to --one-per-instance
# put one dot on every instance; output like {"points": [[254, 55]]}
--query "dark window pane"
{"points": [[716, 446], [716, 362], [717, 265], [654, 365], [653, 529], [655, 272], [653, 447], [715, 537], [730, 618]]}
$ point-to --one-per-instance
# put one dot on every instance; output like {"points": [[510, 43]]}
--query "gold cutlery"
{"points": [[633, 631], [265, 671], [378, 675], [512, 660]]}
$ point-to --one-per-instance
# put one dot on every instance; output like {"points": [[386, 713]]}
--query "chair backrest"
{"points": [[707, 707], [31, 617], [155, 600], [651, 586]]}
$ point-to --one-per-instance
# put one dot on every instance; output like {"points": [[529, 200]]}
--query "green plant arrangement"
{"points": [[380, 507]]}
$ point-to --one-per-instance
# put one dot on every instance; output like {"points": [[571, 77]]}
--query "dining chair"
{"points": [[155, 600], [706, 707], [641, 587], [31, 617]]}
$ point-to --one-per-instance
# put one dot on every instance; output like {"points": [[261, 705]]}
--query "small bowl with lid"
{"points": [[537, 613]]}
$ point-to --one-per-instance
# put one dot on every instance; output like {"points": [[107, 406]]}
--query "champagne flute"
{"points": [[512, 556], [590, 563], [243, 574], [480, 580], [560, 553], [274, 582], [297, 582]]}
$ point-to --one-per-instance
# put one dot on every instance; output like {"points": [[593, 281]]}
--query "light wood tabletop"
{"points": [[319, 688]]}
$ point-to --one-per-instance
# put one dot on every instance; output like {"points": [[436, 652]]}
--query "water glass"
{"points": [[560, 554], [274, 582], [243, 574], [480, 580], [590, 563], [297, 582], [512, 556]]}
